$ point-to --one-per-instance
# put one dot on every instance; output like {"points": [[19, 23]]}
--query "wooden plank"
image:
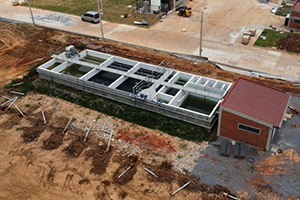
{"points": [[287, 115]]}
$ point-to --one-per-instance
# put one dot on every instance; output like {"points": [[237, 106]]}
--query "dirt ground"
{"points": [[40, 161]]}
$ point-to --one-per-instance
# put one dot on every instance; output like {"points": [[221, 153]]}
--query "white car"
{"points": [[91, 16], [274, 10]]}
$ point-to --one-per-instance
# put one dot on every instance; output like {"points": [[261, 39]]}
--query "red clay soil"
{"points": [[100, 158], [54, 140], [290, 44], [146, 139], [128, 176]]}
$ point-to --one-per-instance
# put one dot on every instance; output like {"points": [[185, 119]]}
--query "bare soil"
{"points": [[100, 158], [54, 140], [76, 147], [128, 161]]}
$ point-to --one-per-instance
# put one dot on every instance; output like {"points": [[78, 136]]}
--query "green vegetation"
{"points": [[186, 171], [112, 9], [286, 9], [272, 38], [183, 146], [129, 113]]}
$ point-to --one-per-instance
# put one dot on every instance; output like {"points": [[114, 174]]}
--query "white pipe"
{"points": [[17, 84], [88, 131], [152, 173], [67, 124], [109, 141], [44, 118], [20, 111], [12, 102], [180, 188], [5, 97], [7, 102], [124, 172], [19, 93]]}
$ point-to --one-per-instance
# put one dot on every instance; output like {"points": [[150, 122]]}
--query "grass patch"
{"points": [[128, 113], [272, 38], [286, 9], [112, 9]]}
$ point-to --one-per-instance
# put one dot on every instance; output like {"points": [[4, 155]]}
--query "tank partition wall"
{"points": [[93, 57], [147, 70], [120, 64], [51, 64], [127, 98], [183, 96]]}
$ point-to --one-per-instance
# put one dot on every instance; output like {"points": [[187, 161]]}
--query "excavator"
{"points": [[184, 11]]}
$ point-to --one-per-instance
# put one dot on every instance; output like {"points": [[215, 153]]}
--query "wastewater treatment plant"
{"points": [[161, 89]]}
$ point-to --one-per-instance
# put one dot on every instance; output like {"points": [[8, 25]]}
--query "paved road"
{"points": [[224, 23]]}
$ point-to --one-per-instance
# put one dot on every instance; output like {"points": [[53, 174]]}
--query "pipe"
{"points": [[181, 188], [124, 172]]}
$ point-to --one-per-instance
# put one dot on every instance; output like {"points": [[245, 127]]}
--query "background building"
{"points": [[294, 18]]}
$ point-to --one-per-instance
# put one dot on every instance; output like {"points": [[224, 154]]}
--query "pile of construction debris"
{"points": [[290, 44]]}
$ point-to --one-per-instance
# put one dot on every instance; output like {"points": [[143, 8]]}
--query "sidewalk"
{"points": [[221, 33]]}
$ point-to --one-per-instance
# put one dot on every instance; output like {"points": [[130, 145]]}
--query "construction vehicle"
{"points": [[184, 11]]}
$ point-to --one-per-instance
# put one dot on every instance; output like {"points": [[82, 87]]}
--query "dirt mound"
{"points": [[54, 140], [100, 157], [129, 161], [123, 194], [218, 189], [84, 181], [31, 133], [106, 182], [76, 147], [291, 43], [164, 173], [195, 184]]}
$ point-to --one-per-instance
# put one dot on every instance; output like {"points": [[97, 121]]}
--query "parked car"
{"points": [[91, 16]]}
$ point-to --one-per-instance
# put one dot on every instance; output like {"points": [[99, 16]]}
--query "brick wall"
{"points": [[295, 14], [293, 25], [228, 128]]}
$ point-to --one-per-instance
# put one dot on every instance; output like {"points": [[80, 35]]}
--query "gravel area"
{"points": [[272, 171], [288, 137], [56, 19], [186, 156]]}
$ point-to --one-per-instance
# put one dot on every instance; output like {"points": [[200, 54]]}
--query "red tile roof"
{"points": [[296, 6], [257, 100]]}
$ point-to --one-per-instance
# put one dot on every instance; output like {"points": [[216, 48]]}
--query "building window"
{"points": [[297, 21], [249, 129]]}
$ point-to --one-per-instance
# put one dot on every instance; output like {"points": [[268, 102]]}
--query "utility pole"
{"points": [[101, 27], [201, 27], [28, 2], [102, 6]]}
